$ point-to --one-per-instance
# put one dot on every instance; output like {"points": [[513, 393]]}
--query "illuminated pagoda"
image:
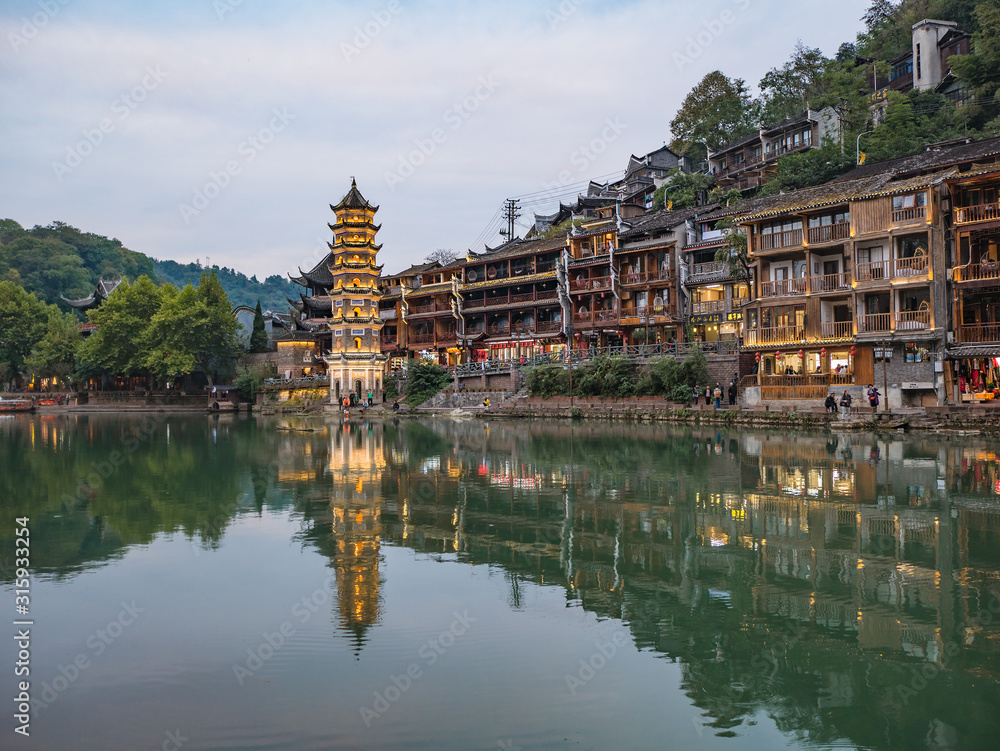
{"points": [[342, 292]]}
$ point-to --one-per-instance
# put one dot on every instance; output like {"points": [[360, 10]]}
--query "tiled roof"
{"points": [[910, 184], [511, 280], [516, 248], [353, 200], [809, 198], [933, 157], [663, 219]]}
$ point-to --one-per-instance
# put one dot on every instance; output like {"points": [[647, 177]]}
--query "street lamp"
{"points": [[857, 146]]}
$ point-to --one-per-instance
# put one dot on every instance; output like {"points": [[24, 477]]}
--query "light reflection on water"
{"points": [[534, 585]]}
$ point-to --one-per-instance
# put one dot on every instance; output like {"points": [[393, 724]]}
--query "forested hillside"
{"points": [[61, 260]]}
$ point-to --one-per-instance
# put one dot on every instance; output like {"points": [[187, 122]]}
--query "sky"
{"points": [[221, 130]]}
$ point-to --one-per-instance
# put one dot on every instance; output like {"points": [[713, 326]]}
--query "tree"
{"points": [[443, 256], [980, 70], [716, 112], [23, 322], [736, 254], [682, 190], [787, 91], [119, 344], [54, 355], [258, 337], [424, 380]]}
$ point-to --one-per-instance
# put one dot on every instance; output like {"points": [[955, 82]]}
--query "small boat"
{"points": [[10, 406]]}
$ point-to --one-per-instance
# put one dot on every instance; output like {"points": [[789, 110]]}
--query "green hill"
{"points": [[61, 260]]}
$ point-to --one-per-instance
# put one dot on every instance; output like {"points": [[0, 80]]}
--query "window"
{"points": [[918, 62], [806, 137], [909, 201], [917, 353]]}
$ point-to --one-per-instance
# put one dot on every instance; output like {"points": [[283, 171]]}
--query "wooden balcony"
{"points": [[713, 267], [643, 277], [775, 335], [873, 272], [909, 215], [773, 241], [974, 272], [783, 287], [422, 338], [498, 329], [912, 320], [913, 266], [548, 327], [418, 309], [596, 316], [709, 306], [830, 283], [836, 329], [984, 212], [596, 283], [979, 333], [829, 233], [872, 323]]}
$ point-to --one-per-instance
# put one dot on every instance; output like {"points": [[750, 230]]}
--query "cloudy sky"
{"points": [[222, 129]]}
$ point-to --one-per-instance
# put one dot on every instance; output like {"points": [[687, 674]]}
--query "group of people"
{"points": [[716, 394], [846, 400], [354, 400]]}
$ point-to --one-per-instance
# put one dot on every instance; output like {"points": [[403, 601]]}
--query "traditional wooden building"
{"points": [[591, 278]]}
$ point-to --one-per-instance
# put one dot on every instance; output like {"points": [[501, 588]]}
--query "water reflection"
{"points": [[846, 586]]}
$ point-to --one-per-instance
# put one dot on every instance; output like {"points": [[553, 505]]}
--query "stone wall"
{"points": [[464, 399]]}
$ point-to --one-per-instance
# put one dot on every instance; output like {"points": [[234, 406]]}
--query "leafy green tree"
{"points": [[424, 380], [980, 70], [717, 111], [682, 190], [54, 355], [258, 337], [23, 322], [119, 344], [787, 91]]}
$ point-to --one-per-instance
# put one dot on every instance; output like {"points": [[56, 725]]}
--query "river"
{"points": [[232, 582]]}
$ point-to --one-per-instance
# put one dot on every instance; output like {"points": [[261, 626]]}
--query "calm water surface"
{"points": [[225, 583]]}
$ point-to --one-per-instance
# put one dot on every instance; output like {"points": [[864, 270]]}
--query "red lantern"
{"points": [[778, 355], [852, 350], [822, 352], [757, 357], [801, 353]]}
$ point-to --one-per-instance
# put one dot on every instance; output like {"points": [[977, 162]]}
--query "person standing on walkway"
{"points": [[708, 395], [696, 394], [845, 406], [371, 398], [732, 393], [873, 398], [717, 394]]}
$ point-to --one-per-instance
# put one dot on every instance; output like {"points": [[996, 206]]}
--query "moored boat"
{"points": [[9, 406]]}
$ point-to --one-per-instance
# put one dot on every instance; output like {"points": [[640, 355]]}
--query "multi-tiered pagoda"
{"points": [[343, 291]]}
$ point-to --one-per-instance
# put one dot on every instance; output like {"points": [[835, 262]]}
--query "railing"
{"points": [[498, 329], [709, 306], [830, 233], [643, 312], [910, 320], [976, 271], [291, 383], [599, 282], [794, 386], [984, 212], [979, 333], [874, 322], [713, 267], [870, 272], [546, 294], [912, 266], [523, 297], [782, 287], [643, 277], [548, 327], [415, 309], [788, 239], [389, 341], [830, 282], [494, 301], [908, 215], [422, 338], [774, 335], [635, 351], [597, 316], [836, 329]]}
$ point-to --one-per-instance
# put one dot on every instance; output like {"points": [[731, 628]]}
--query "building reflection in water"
{"points": [[798, 576]]}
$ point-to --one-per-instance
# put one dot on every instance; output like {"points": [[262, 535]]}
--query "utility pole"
{"points": [[511, 213]]}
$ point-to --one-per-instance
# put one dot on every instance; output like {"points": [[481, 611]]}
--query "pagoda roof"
{"points": [[318, 274], [348, 244], [100, 293], [338, 225], [354, 200]]}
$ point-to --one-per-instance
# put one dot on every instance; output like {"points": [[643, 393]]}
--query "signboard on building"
{"points": [[707, 318]]}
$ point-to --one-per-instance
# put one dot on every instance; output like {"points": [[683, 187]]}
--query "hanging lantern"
{"points": [[852, 350], [757, 357], [822, 352], [778, 355], [802, 353]]}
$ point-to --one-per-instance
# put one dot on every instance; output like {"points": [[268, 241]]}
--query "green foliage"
{"points": [[788, 90], [680, 393], [249, 380], [980, 70], [548, 380], [717, 111], [682, 189], [54, 355], [807, 168], [391, 392], [607, 376], [559, 229], [693, 370], [424, 380], [119, 344], [24, 322], [271, 293], [258, 337], [61, 260]]}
